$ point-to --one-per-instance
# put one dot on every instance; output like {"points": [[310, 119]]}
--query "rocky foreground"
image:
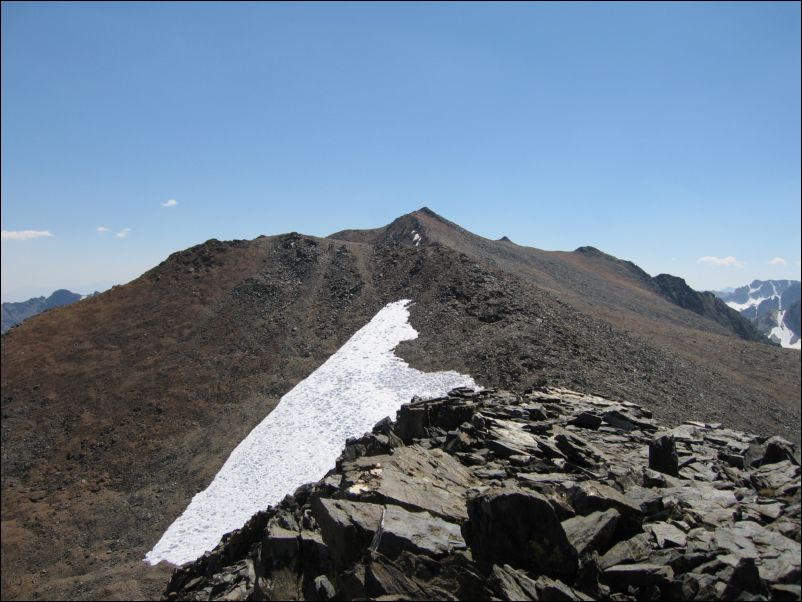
{"points": [[550, 495]]}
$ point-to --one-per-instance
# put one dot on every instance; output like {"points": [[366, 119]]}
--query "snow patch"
{"points": [[784, 335], [298, 442], [739, 307], [415, 237]]}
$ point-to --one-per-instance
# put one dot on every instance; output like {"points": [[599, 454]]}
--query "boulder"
{"points": [[415, 532], [623, 575], [519, 528], [667, 535], [591, 532], [635, 549], [347, 527], [663, 455], [592, 496], [413, 477]]}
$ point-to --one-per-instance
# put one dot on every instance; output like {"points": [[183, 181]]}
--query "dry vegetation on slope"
{"points": [[116, 410]]}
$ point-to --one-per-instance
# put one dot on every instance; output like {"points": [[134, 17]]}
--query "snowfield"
{"points": [[784, 335], [298, 442]]}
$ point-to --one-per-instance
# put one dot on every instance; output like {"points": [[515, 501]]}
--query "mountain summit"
{"points": [[117, 410]]}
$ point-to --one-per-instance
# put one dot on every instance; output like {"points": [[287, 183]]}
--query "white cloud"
{"points": [[720, 261], [102, 229], [123, 233], [170, 203], [24, 234], [778, 261]]}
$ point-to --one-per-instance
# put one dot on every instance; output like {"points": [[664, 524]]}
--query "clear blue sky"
{"points": [[660, 133]]}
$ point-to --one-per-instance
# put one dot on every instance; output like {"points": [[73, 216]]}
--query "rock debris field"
{"points": [[547, 495]]}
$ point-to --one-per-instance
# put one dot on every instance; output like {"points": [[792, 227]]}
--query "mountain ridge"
{"points": [[105, 401], [14, 313]]}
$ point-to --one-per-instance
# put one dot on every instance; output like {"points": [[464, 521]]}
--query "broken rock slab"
{"points": [[415, 532], [591, 532], [347, 527], [412, 477], [519, 528]]}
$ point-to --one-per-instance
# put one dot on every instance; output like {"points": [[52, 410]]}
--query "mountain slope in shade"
{"points": [[14, 313], [119, 409], [773, 307]]}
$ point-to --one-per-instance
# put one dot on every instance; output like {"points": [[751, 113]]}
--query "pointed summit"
{"points": [[416, 229]]}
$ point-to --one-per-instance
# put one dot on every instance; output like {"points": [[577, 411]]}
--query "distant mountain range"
{"points": [[773, 306], [14, 313]]}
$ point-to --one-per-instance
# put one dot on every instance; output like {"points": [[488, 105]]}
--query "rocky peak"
{"points": [[544, 495], [706, 304]]}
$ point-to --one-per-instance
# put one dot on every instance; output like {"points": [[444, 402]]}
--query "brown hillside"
{"points": [[117, 409]]}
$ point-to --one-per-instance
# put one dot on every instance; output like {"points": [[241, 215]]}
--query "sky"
{"points": [[665, 134]]}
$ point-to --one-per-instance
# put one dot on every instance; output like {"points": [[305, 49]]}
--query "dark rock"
{"points": [[412, 422], [663, 455], [626, 422], [776, 449], [591, 532], [591, 496], [667, 535], [414, 478], [744, 578], [635, 549], [383, 578], [586, 420], [623, 575], [577, 450], [780, 479], [511, 584], [348, 527], [416, 532], [519, 528], [590, 522]]}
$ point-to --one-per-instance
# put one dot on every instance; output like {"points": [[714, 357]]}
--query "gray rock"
{"points": [[626, 422], [511, 584], [723, 532], [576, 449], [586, 420], [384, 578], [590, 496], [416, 532], [414, 478], [776, 449], [623, 575], [786, 591], [779, 479], [591, 532], [635, 549], [667, 535], [347, 527]]}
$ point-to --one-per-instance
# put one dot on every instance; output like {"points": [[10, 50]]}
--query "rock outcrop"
{"points": [[549, 495]]}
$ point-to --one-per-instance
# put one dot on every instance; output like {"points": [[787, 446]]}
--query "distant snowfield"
{"points": [[784, 335], [298, 442]]}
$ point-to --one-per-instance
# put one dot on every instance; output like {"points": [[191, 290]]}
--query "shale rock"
{"points": [[549, 495]]}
